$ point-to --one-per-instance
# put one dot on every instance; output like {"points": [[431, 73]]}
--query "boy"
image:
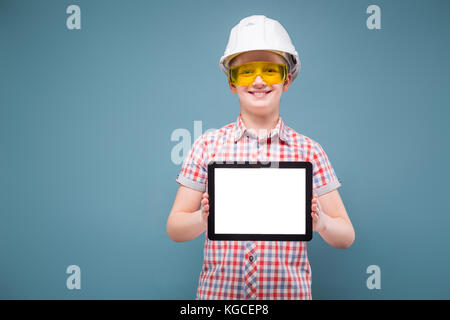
{"points": [[261, 63]]}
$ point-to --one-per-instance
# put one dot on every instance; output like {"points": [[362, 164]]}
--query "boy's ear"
{"points": [[287, 82], [232, 87]]}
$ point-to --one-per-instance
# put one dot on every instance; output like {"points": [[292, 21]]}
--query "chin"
{"points": [[260, 110]]}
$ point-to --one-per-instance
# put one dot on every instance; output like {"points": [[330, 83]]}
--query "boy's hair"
{"points": [[231, 63]]}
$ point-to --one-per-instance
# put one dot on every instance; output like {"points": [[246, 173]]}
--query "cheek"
{"points": [[277, 90], [277, 87], [241, 91]]}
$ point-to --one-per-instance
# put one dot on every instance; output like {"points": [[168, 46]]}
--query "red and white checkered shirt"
{"points": [[255, 269]]}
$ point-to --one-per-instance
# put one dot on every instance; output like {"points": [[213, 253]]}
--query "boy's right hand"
{"points": [[205, 208]]}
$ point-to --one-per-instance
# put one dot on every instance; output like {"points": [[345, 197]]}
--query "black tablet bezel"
{"points": [[261, 237]]}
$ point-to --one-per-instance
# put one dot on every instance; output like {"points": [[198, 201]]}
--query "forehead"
{"points": [[257, 55]]}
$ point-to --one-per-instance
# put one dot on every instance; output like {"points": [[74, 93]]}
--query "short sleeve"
{"points": [[324, 177], [193, 173]]}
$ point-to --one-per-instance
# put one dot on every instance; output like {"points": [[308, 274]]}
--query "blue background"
{"points": [[86, 118]]}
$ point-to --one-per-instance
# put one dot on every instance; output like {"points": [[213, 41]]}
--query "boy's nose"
{"points": [[258, 82]]}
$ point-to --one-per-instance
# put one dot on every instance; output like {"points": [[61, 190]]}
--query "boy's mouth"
{"points": [[260, 94]]}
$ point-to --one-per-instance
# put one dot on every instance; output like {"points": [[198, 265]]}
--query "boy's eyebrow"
{"points": [[256, 61]]}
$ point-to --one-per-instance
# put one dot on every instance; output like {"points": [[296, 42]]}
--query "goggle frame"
{"points": [[260, 66]]}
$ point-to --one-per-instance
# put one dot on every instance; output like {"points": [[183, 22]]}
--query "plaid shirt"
{"points": [[255, 269]]}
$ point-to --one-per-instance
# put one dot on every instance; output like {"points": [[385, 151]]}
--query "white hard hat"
{"points": [[260, 33]]}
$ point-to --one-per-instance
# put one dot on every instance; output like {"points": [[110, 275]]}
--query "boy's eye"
{"points": [[246, 71], [271, 70]]}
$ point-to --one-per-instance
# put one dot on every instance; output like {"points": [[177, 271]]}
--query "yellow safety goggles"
{"points": [[245, 74]]}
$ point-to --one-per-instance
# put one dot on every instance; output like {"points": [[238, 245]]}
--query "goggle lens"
{"points": [[245, 74]]}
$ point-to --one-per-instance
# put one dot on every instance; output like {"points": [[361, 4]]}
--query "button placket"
{"points": [[250, 272], [262, 151]]}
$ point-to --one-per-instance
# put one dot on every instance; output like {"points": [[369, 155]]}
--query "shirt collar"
{"points": [[280, 130]]}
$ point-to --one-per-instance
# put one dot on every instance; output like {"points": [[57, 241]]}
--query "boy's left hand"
{"points": [[319, 218]]}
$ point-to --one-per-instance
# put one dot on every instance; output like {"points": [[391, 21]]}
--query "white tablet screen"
{"points": [[260, 200]]}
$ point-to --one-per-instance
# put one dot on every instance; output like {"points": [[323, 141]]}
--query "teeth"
{"points": [[259, 94]]}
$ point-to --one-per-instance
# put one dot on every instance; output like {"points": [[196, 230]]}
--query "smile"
{"points": [[260, 94]]}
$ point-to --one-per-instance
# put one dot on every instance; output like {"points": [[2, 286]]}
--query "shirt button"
{"points": [[250, 258]]}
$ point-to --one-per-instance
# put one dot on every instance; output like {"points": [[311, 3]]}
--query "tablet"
{"points": [[268, 201]]}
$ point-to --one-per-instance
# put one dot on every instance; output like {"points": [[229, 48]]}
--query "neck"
{"points": [[260, 123]]}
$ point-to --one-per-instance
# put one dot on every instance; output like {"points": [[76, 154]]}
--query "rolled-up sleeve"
{"points": [[193, 173], [324, 177]]}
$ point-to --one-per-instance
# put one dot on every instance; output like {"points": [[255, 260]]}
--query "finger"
{"points": [[206, 208], [205, 195]]}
